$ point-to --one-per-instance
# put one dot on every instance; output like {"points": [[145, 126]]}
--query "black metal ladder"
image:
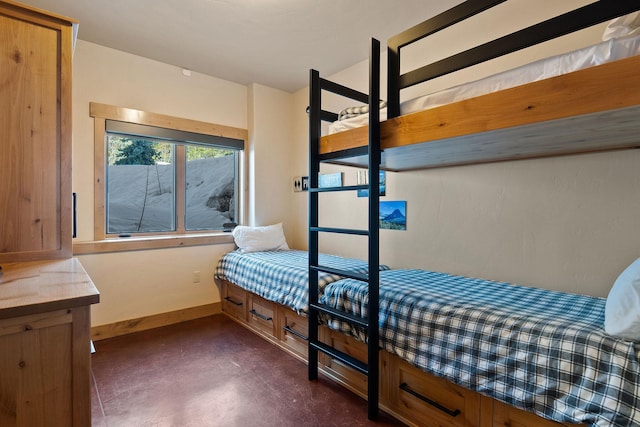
{"points": [[372, 150]]}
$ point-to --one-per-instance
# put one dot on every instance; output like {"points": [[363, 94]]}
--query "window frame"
{"points": [[104, 242]]}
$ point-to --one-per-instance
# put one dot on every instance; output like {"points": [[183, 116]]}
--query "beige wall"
{"points": [[565, 223], [141, 283], [270, 157]]}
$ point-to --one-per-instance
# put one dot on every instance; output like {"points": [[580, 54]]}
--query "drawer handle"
{"points": [[405, 387], [291, 331], [255, 313], [232, 301]]}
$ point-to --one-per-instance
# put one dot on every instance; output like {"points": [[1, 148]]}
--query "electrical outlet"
{"points": [[297, 183], [305, 183], [196, 277]]}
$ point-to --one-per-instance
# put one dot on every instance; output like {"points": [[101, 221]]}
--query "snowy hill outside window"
{"points": [[147, 177]]}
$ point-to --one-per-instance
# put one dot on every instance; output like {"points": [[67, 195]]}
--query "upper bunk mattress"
{"points": [[282, 276], [539, 350], [601, 53]]}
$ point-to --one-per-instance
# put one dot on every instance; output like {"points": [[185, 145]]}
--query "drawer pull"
{"points": [[405, 387], [232, 301], [286, 328], [255, 313]]}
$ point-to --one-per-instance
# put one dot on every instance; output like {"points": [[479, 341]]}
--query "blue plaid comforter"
{"points": [[282, 276], [539, 350]]}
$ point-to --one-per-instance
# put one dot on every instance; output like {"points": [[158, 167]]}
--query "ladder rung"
{"points": [[348, 317], [342, 188], [340, 230], [345, 154], [338, 272], [343, 357]]}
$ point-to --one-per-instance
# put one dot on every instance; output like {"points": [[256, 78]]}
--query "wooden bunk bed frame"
{"points": [[510, 124]]}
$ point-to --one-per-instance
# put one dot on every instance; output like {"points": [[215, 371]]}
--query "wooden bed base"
{"points": [[590, 110], [409, 394]]}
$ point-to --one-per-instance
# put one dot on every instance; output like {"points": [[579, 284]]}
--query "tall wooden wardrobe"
{"points": [[45, 295]]}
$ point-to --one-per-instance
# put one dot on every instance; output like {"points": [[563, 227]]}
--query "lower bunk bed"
{"points": [[462, 352]]}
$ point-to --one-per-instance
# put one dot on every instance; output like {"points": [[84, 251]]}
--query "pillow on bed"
{"points": [[622, 309], [254, 239], [623, 26]]}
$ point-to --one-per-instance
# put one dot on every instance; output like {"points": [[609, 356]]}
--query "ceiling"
{"points": [[270, 42]]}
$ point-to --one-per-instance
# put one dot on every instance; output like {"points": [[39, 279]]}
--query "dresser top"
{"points": [[40, 286]]}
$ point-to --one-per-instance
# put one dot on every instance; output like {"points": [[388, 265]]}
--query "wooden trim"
{"points": [[65, 117], [81, 362], [99, 177], [43, 17], [154, 321], [104, 242], [160, 120], [150, 242]]}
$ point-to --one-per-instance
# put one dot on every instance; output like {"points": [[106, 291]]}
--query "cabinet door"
{"points": [[35, 135], [36, 370]]}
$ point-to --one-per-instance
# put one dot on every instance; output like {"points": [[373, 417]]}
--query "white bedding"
{"points": [[607, 51]]}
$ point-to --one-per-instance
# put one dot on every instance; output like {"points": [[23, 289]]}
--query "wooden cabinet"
{"points": [[35, 134], [45, 376]]}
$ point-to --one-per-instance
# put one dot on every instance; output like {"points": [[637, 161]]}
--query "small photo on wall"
{"points": [[327, 180], [393, 215]]}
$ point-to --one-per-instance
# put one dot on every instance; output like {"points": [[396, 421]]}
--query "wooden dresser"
{"points": [[45, 354], [45, 295]]}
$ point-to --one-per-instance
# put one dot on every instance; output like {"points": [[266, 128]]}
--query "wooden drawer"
{"points": [[293, 331], [234, 300], [428, 400], [509, 416], [262, 315], [351, 378]]}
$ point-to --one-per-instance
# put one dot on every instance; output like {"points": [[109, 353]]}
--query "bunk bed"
{"points": [[510, 124], [591, 109]]}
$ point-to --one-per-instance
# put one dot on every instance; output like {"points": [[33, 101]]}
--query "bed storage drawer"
{"points": [[293, 331], [234, 300], [351, 378], [428, 400], [262, 315], [506, 415]]}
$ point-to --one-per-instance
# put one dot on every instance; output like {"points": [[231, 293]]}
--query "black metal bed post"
{"points": [[315, 108], [375, 157]]}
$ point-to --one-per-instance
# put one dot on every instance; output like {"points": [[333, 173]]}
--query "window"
{"points": [[161, 180], [159, 175]]}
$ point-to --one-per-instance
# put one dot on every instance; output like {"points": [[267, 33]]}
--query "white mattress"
{"points": [[601, 53]]}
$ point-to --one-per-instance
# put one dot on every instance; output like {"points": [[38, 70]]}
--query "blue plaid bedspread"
{"points": [[539, 350], [282, 276]]}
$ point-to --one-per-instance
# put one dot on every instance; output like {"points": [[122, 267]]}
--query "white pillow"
{"points": [[254, 239], [622, 26], [622, 309]]}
